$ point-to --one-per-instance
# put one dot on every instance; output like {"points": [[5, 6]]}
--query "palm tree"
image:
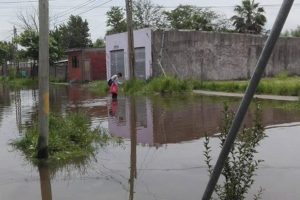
{"points": [[250, 17]]}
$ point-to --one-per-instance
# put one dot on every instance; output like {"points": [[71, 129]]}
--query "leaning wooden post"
{"points": [[43, 72]]}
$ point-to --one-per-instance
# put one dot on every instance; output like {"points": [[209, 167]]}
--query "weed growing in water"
{"points": [[240, 166], [71, 141]]}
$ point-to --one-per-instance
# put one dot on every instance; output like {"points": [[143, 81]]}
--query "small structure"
{"points": [[86, 64], [117, 55], [59, 70]]}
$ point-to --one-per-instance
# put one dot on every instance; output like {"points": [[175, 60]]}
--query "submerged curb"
{"points": [[240, 95]]}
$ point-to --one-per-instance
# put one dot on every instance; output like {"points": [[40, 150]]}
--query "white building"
{"points": [[117, 54]]}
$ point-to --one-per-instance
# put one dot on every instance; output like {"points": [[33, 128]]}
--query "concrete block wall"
{"points": [[219, 56]]}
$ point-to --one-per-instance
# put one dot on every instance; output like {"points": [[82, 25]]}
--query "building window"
{"points": [[140, 63], [117, 61], [74, 62]]}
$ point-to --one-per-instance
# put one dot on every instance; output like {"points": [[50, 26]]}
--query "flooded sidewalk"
{"points": [[240, 95]]}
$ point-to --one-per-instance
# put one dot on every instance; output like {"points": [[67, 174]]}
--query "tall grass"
{"points": [[281, 85], [134, 86], [168, 85], [225, 86], [19, 82], [159, 85], [71, 140], [99, 87]]}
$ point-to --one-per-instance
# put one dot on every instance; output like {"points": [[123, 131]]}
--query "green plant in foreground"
{"points": [[71, 140], [240, 166]]}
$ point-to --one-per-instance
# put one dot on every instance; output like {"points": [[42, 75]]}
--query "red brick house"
{"points": [[86, 64]]}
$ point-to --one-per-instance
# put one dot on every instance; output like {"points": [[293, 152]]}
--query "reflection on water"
{"points": [[163, 121], [136, 170], [133, 134], [45, 182]]}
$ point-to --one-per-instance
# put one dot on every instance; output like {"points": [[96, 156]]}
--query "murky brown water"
{"points": [[163, 162]]}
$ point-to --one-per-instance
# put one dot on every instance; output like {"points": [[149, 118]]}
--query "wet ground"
{"points": [[163, 162]]}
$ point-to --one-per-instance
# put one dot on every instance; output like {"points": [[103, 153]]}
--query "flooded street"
{"points": [[163, 161]]}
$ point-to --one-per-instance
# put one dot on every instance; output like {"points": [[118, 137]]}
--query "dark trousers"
{"points": [[114, 95]]}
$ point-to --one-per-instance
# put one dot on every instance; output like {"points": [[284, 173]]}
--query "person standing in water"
{"points": [[113, 84]]}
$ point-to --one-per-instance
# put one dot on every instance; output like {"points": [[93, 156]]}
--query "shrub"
{"points": [[240, 166]]}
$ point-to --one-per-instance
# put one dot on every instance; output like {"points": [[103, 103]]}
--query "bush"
{"points": [[240, 166]]}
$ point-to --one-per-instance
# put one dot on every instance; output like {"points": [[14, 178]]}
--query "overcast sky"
{"points": [[94, 12]]}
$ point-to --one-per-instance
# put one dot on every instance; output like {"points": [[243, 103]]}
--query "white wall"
{"points": [[142, 38]]}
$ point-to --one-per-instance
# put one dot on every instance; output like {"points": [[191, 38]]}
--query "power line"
{"points": [[70, 10], [54, 7], [14, 2], [87, 10], [95, 7]]}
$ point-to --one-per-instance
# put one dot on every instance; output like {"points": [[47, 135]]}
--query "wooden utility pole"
{"points": [[43, 72], [15, 50], [133, 138], [45, 181], [131, 59]]}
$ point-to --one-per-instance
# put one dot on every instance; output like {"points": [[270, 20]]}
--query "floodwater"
{"points": [[163, 160]]}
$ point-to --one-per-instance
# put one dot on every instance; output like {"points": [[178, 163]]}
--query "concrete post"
{"points": [[43, 72]]}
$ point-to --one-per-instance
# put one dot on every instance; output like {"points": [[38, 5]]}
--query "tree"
{"points": [[28, 21], [147, 14], [250, 17], [99, 43], [56, 38], [192, 18], [116, 20], [75, 34], [292, 33], [6, 52], [29, 39], [296, 32]]}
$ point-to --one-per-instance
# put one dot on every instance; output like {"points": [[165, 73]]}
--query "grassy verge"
{"points": [[19, 82], [289, 86], [280, 85], [159, 85], [99, 87], [71, 141]]}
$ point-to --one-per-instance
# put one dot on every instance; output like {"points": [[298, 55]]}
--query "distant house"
{"points": [[199, 55], [86, 64]]}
